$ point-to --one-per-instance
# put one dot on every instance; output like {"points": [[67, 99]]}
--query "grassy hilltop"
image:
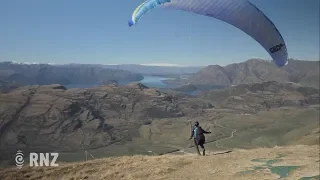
{"points": [[293, 162]]}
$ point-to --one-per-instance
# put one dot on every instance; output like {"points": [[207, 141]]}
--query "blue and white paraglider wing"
{"points": [[239, 13], [143, 8]]}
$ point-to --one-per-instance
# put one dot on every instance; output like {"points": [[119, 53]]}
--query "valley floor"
{"points": [[289, 162]]}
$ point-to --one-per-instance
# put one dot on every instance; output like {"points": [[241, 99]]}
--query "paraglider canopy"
{"points": [[239, 13]]}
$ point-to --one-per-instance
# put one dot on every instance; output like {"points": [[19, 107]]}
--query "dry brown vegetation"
{"points": [[235, 165]]}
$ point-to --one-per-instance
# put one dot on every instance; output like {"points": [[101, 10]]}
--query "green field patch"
{"points": [[267, 162], [282, 171], [272, 161]]}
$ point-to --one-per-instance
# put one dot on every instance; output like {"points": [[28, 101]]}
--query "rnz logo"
{"points": [[37, 159], [19, 159], [44, 159]]}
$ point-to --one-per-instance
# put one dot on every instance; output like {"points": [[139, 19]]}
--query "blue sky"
{"points": [[83, 31]]}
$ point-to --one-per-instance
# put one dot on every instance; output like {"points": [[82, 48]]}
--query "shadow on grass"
{"points": [[311, 178]]}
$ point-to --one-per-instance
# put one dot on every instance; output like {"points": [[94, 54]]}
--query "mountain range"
{"points": [[250, 71], [149, 69], [41, 74], [256, 70]]}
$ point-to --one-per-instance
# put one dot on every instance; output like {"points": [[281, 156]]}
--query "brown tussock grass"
{"points": [[178, 167]]}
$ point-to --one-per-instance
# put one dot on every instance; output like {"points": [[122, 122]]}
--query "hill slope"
{"points": [[255, 70], [134, 119], [6, 86], [52, 117], [294, 162], [261, 96]]}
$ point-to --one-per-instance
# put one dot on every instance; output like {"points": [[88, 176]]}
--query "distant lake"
{"points": [[156, 82], [150, 81]]}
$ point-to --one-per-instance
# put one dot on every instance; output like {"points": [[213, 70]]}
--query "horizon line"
{"points": [[145, 64]]}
